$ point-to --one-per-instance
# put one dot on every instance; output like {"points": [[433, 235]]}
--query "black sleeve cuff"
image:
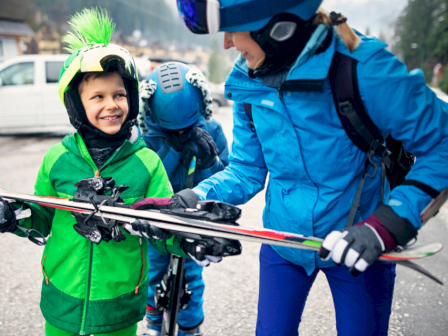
{"points": [[400, 228]]}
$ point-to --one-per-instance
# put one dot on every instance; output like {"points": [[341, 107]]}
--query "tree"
{"points": [[439, 38], [413, 31], [216, 65]]}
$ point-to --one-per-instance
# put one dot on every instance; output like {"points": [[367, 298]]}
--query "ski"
{"points": [[200, 227]]}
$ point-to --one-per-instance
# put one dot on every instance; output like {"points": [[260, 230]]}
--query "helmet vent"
{"points": [[283, 31], [170, 78]]}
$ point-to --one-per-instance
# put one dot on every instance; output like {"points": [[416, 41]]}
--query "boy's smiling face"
{"points": [[105, 101]]}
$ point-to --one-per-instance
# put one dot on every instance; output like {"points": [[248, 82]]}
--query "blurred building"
{"points": [[13, 34]]}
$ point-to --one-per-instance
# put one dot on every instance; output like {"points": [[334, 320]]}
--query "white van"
{"points": [[29, 100]]}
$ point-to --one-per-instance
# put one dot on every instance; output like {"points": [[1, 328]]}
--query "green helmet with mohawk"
{"points": [[92, 52]]}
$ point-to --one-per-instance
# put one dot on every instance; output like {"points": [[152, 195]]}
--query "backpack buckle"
{"points": [[346, 108], [252, 126]]}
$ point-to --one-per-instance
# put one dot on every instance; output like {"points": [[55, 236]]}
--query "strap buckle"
{"points": [[345, 108]]}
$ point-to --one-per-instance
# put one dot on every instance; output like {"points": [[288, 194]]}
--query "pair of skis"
{"points": [[234, 232]]}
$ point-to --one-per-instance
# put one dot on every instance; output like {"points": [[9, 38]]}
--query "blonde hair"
{"points": [[343, 30]]}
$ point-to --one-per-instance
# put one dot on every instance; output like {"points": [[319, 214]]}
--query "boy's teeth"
{"points": [[111, 118]]}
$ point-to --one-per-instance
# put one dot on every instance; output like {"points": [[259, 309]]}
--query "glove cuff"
{"points": [[383, 233], [400, 228], [152, 203]]}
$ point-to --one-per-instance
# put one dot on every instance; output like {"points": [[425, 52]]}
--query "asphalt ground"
{"points": [[420, 306]]}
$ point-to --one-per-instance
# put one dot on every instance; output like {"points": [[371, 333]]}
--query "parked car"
{"points": [[29, 100]]}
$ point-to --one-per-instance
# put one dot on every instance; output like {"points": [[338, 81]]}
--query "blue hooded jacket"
{"points": [[171, 159], [314, 168]]}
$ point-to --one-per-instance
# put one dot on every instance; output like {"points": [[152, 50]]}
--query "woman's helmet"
{"points": [[179, 96], [92, 53], [211, 16]]}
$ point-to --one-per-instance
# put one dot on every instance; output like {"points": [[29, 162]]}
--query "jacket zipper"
{"points": [[43, 270], [143, 266], [86, 302]]}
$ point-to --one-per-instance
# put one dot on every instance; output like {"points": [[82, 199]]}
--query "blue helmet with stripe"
{"points": [[177, 101], [211, 16]]}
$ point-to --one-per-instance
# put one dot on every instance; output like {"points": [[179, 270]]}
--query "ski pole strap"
{"points": [[355, 205]]}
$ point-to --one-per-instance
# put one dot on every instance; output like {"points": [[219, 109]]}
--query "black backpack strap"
{"points": [[426, 188], [350, 107], [248, 110]]}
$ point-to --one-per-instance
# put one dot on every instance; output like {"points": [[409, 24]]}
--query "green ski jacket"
{"points": [[88, 288]]}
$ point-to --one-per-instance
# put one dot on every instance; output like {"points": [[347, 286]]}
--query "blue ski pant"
{"points": [[158, 265], [362, 304]]}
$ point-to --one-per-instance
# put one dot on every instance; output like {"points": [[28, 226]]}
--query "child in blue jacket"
{"points": [[176, 122]]}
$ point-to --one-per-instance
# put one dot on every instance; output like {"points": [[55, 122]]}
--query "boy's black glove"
{"points": [[201, 145], [143, 227], [8, 221], [210, 249], [177, 138]]}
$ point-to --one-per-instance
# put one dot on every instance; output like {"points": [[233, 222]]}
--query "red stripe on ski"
{"points": [[63, 208], [266, 234]]}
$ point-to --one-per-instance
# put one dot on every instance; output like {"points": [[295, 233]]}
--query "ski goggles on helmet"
{"points": [[208, 17], [98, 58]]}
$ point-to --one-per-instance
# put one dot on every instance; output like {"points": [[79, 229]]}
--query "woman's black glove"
{"points": [[8, 221], [184, 199], [201, 145]]}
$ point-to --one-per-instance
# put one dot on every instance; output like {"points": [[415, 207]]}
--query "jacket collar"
{"points": [[308, 65], [75, 144]]}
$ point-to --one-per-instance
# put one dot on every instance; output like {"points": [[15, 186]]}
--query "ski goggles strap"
{"points": [[207, 16]]}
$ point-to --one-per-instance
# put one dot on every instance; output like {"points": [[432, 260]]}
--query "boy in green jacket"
{"points": [[88, 288]]}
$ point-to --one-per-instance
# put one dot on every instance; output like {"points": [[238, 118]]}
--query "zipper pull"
{"points": [[280, 95], [140, 241]]}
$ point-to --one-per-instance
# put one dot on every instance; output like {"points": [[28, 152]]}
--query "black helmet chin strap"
{"points": [[283, 40]]}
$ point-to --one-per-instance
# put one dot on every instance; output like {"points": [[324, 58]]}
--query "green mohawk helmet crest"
{"points": [[91, 26], [92, 52]]}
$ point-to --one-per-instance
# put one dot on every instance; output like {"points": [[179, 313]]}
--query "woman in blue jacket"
{"points": [[314, 168], [175, 121]]}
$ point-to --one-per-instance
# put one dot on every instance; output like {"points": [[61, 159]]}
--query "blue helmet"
{"points": [[211, 16], [178, 101]]}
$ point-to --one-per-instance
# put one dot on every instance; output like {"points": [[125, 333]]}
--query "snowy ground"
{"points": [[420, 306]]}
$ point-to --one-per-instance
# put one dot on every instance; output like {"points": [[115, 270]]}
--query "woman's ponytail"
{"points": [[349, 37]]}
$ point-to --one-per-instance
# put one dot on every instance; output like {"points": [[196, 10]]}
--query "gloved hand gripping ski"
{"points": [[202, 249], [97, 228], [360, 246], [8, 221]]}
